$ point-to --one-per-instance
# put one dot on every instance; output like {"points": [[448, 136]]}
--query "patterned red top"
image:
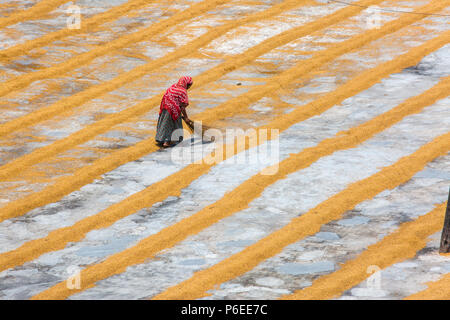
{"points": [[175, 97]]}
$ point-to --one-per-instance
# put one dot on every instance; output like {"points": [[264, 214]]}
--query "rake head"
{"points": [[194, 128]]}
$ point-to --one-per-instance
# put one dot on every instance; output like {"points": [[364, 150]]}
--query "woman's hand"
{"points": [[184, 114], [186, 119]]}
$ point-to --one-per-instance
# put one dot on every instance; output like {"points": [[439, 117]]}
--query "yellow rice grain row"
{"points": [[172, 185], [402, 244], [227, 109], [438, 290], [236, 265], [306, 225], [97, 90], [85, 175], [230, 107], [232, 202], [79, 60]]}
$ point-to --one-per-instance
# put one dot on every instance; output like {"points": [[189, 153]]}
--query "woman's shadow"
{"points": [[194, 140]]}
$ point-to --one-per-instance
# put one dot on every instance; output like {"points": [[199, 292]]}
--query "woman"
{"points": [[172, 110]]}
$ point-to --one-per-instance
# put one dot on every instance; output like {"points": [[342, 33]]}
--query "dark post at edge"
{"points": [[445, 239]]}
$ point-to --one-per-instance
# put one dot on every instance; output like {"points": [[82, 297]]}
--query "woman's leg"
{"points": [[164, 129], [178, 125]]}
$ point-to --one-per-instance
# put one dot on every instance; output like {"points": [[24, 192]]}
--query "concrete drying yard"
{"points": [[347, 201]]}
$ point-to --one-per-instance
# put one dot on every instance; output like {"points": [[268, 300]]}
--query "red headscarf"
{"points": [[176, 96]]}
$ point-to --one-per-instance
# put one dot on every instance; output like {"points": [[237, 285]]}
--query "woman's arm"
{"points": [[184, 114]]}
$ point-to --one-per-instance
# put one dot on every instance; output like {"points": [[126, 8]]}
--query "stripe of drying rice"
{"points": [[207, 236], [408, 198], [230, 108], [87, 174], [101, 50], [238, 198], [437, 290], [213, 74], [398, 246], [299, 228], [412, 105]]}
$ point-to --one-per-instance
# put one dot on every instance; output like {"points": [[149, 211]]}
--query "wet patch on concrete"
{"points": [[296, 269]]}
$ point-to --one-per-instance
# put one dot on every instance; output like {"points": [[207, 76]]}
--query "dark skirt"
{"points": [[166, 126]]}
